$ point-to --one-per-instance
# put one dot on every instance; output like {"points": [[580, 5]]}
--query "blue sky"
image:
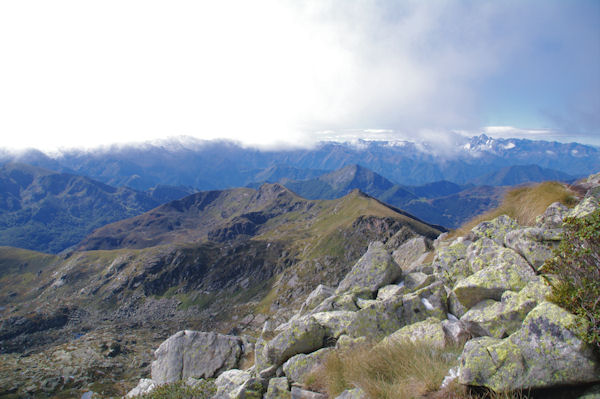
{"points": [[78, 73]]}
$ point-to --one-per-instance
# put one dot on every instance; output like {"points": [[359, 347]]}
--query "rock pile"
{"points": [[482, 291]]}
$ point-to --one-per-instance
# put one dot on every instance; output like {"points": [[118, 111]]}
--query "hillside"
{"points": [[222, 261], [442, 203], [519, 174], [50, 211]]}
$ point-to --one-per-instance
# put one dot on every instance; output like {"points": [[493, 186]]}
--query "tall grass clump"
{"points": [[524, 204], [576, 268], [392, 371]]}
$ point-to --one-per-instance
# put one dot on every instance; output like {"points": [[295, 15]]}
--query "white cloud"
{"points": [[264, 72]]}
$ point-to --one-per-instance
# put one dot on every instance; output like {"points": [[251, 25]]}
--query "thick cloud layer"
{"points": [[281, 72]]}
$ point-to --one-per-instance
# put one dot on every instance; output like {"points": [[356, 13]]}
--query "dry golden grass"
{"points": [[402, 370], [524, 204]]}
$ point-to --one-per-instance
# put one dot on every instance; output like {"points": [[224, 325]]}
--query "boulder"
{"points": [[485, 253], [299, 393], [145, 386], [533, 243], [411, 252], [389, 291], [500, 319], [195, 354], [279, 388], [355, 393], [416, 280], [337, 322], [429, 332], [347, 342], [338, 302], [491, 282], [298, 367], [588, 205], [494, 229], [545, 352], [449, 262], [553, 217], [239, 384], [456, 333], [304, 335], [374, 269], [317, 296]]}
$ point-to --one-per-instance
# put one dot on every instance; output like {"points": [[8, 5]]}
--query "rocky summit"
{"points": [[483, 293]]}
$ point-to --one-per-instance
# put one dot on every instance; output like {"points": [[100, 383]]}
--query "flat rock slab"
{"points": [[195, 354]]}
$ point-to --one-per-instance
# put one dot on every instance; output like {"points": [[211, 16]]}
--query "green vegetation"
{"points": [[524, 204], [576, 266], [205, 389]]}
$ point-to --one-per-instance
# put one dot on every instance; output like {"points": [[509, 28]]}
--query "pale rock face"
{"points": [[553, 217], [500, 319], [492, 281], [299, 393], [389, 291], [239, 384], [337, 322], [304, 335], [449, 263], [316, 297], [408, 255], [585, 207], [373, 270], [546, 351], [429, 332], [533, 243], [279, 388], [494, 229], [195, 354], [145, 386], [298, 367]]}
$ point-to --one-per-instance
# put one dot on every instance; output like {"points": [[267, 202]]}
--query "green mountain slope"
{"points": [[49, 211]]}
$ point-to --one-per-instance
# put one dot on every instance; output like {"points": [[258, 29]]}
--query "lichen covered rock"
{"points": [[408, 255], [304, 335], [374, 269], [491, 282], [298, 367], [279, 388], [546, 351], [429, 332], [533, 243], [494, 229]]}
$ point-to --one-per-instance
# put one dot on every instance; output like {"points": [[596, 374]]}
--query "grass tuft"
{"points": [[399, 370]]}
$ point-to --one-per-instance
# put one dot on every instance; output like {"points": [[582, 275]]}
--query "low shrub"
{"points": [[575, 267]]}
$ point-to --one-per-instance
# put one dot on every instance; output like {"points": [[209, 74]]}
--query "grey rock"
{"points": [[317, 296], [553, 217], [411, 253], [494, 229], [239, 384], [389, 291], [545, 352], [195, 354], [533, 243], [456, 333], [145, 386], [299, 393], [304, 335], [355, 393], [588, 205], [298, 367], [279, 388], [373, 270]]}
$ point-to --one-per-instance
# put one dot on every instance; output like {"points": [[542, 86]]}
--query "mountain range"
{"points": [[209, 165]]}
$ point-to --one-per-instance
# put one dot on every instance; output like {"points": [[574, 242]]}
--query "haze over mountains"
{"points": [[50, 203], [208, 165]]}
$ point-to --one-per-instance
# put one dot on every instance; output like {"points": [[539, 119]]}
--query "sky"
{"points": [[79, 73]]}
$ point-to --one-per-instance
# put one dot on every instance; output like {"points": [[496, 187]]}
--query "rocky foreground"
{"points": [[483, 292]]}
